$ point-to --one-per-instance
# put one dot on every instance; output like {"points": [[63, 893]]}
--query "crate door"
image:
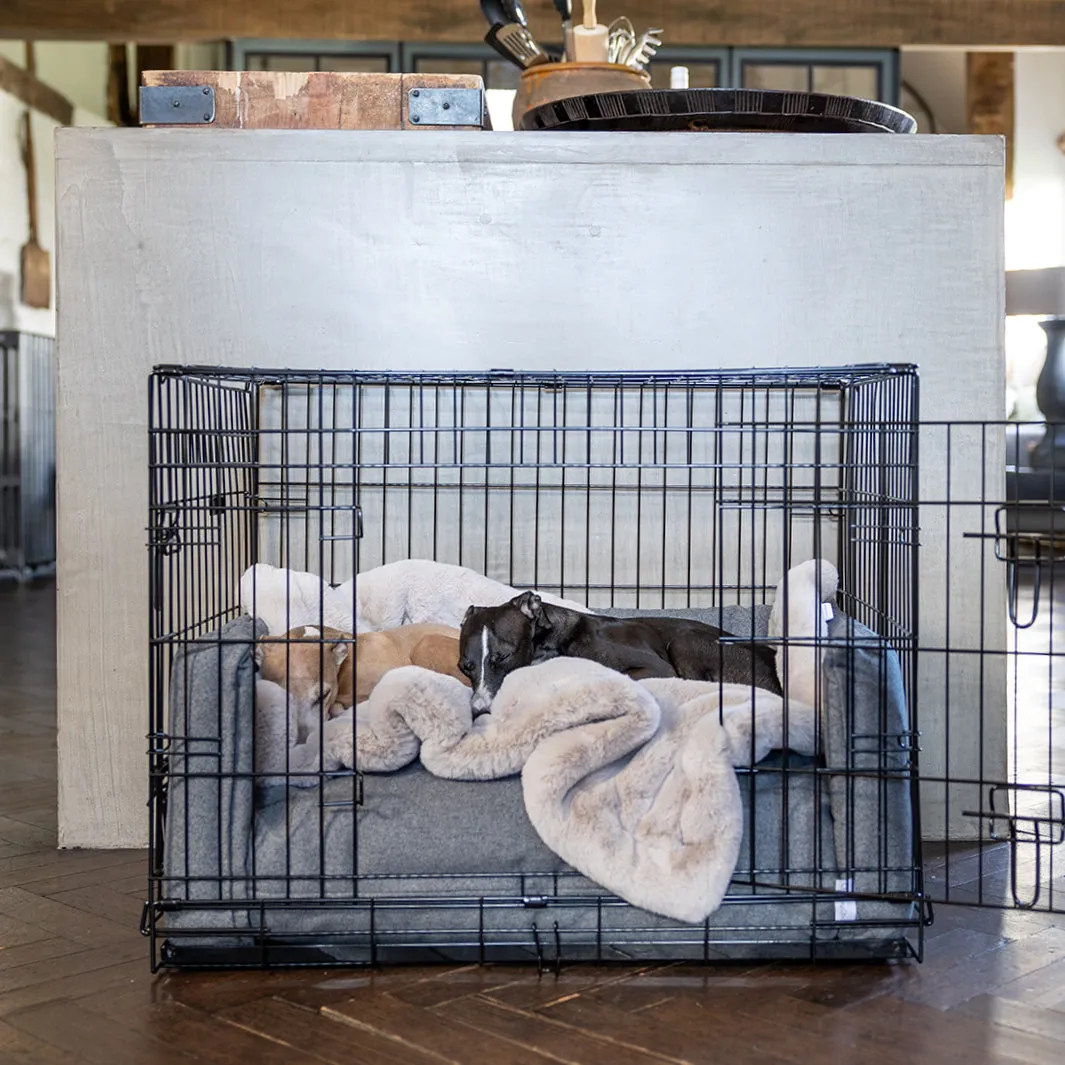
{"points": [[991, 670]]}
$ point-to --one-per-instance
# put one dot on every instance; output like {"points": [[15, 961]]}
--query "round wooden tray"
{"points": [[733, 110]]}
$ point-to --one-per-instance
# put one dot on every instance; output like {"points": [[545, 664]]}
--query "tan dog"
{"points": [[306, 662], [434, 647], [329, 680]]}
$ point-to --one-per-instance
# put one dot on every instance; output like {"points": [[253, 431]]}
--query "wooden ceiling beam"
{"points": [[973, 24]]}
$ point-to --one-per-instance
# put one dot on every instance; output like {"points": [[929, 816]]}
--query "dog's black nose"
{"points": [[480, 713]]}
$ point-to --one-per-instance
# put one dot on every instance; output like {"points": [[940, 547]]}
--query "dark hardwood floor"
{"points": [[75, 985]]}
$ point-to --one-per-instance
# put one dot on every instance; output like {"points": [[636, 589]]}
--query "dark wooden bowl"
{"points": [[726, 110]]}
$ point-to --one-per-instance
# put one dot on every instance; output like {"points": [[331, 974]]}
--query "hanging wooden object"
{"points": [[36, 262]]}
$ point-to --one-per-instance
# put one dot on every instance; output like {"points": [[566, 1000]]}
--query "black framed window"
{"points": [[357, 57], [708, 68], [872, 74], [461, 59]]}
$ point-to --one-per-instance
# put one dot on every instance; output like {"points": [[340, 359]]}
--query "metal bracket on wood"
{"points": [[446, 107], [170, 105]]}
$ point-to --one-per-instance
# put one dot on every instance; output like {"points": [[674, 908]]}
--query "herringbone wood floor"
{"points": [[75, 985]]}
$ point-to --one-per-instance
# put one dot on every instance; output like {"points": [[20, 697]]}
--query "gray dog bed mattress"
{"points": [[424, 862]]}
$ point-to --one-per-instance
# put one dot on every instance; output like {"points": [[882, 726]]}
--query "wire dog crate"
{"points": [[678, 493], [27, 455]]}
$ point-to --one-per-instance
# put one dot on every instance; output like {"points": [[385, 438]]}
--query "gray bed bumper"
{"points": [[440, 864]]}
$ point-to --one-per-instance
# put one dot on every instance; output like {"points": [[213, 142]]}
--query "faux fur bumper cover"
{"points": [[632, 784]]}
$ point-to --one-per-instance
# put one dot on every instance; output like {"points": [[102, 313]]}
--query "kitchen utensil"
{"points": [[515, 12], [516, 43], [565, 11], [557, 81], [590, 39], [620, 38], [36, 265], [642, 50], [495, 12]]}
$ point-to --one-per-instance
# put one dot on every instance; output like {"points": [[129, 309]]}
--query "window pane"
{"points": [[354, 64], [501, 75], [847, 81], [700, 75], [786, 76], [437, 65]]}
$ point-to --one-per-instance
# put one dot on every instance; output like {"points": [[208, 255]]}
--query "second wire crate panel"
{"points": [[27, 455]]}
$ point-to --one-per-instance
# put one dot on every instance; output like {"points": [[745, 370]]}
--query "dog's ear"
{"points": [[340, 643], [469, 613], [532, 606]]}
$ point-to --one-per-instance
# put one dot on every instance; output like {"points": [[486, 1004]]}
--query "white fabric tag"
{"points": [[846, 909], [826, 611]]}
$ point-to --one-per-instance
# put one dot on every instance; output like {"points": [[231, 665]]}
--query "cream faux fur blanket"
{"points": [[632, 784], [409, 592]]}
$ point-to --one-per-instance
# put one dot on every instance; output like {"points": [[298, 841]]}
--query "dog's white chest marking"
{"points": [[482, 699]]}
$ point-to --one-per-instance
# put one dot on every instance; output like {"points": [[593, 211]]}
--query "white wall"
{"points": [[939, 76], [79, 72], [1035, 217], [14, 210], [77, 69]]}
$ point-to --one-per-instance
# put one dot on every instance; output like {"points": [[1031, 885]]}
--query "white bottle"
{"points": [[678, 77], [590, 39]]}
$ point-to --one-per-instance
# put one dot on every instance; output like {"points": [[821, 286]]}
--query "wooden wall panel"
{"points": [[870, 23], [989, 100]]}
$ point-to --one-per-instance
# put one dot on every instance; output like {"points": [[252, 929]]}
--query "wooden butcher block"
{"points": [[255, 99]]}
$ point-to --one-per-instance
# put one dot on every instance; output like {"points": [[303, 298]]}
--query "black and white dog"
{"points": [[495, 640]]}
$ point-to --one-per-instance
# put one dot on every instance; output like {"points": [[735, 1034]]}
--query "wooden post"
{"points": [[119, 110], [989, 102], [151, 57]]}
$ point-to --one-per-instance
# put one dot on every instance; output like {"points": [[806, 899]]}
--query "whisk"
{"points": [[624, 47], [621, 38]]}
